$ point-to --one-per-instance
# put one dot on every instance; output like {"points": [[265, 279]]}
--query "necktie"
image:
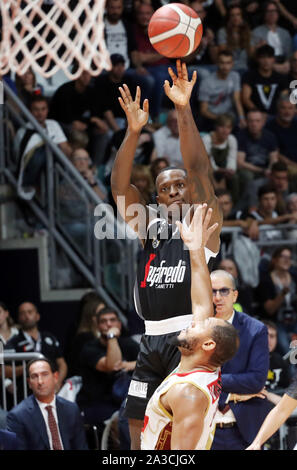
{"points": [[53, 429]]}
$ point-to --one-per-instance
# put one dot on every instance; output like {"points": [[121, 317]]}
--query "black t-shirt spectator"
{"points": [[106, 93], [48, 345], [286, 138], [97, 385], [67, 105], [257, 150], [278, 374], [265, 90]]}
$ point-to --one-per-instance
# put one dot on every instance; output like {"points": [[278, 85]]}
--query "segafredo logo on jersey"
{"points": [[215, 389], [163, 277]]}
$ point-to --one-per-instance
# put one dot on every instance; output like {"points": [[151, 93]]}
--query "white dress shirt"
{"points": [[44, 413]]}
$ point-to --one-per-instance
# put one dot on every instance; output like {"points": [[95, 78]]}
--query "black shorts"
{"points": [[156, 359]]}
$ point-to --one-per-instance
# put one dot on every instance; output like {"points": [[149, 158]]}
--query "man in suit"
{"points": [[44, 421], [242, 406]]}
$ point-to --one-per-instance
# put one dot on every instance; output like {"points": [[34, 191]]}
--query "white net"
{"points": [[49, 35]]}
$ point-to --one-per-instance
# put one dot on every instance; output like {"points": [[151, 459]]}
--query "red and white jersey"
{"points": [[156, 432]]}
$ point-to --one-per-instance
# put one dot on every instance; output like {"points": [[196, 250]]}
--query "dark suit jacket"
{"points": [[246, 373], [8, 440], [27, 422]]}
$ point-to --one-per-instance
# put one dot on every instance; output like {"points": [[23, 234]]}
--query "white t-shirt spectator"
{"points": [[231, 143], [53, 130], [167, 145]]}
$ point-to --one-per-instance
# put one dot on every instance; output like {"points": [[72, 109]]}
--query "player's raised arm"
{"points": [[121, 173], [195, 238], [195, 157]]}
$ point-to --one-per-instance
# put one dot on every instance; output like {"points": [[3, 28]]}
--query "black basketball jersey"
{"points": [[163, 282]]}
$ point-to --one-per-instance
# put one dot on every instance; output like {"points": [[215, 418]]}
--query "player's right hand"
{"points": [[197, 234], [136, 117]]}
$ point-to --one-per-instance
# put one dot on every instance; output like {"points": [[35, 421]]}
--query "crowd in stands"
{"points": [[244, 105]]}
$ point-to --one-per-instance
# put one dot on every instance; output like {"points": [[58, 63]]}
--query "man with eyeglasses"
{"points": [[242, 406]]}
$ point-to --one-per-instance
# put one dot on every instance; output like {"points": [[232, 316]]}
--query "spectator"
{"points": [[293, 68], [8, 440], [44, 421], [147, 60], [221, 147], [74, 108], [244, 301], [265, 213], [87, 330], [235, 36], [120, 40], [7, 328], [30, 148], [257, 149], [141, 178], [277, 295], [27, 87], [31, 339], [262, 87], [107, 92], [278, 38], [74, 211], [279, 178], [166, 140], [279, 372], [240, 414], [252, 12], [233, 218], [101, 360], [284, 127], [220, 92]]}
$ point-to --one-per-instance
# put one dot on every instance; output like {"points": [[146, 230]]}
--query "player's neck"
{"points": [[190, 363]]}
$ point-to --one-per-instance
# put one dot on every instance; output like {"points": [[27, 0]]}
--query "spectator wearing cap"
{"points": [[262, 86], [107, 92]]}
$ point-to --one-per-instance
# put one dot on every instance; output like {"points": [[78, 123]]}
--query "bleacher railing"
{"points": [[15, 359], [108, 265]]}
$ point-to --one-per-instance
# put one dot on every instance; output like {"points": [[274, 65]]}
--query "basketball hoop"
{"points": [[53, 35]]}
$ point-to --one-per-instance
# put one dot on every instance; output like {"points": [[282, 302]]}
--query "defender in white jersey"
{"points": [[180, 414]]}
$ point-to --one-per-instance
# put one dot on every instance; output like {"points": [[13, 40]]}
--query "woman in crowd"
{"points": [[87, 330], [235, 36], [27, 87], [277, 293]]}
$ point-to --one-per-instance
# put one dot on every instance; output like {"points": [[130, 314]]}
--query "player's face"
{"points": [[172, 189], [224, 295], [192, 337], [42, 380], [28, 316]]}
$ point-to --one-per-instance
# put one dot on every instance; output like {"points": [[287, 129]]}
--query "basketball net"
{"points": [[53, 38]]}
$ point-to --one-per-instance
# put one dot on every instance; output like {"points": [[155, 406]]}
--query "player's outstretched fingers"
{"points": [[167, 87], [146, 106], [138, 95], [184, 72], [123, 106], [127, 91], [179, 68], [172, 74], [194, 77], [124, 96]]}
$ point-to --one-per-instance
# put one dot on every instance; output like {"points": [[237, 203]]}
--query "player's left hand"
{"points": [[181, 89], [196, 235]]}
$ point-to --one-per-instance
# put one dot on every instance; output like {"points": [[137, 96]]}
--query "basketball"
{"points": [[175, 30]]}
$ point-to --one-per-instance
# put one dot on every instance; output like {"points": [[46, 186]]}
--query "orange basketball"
{"points": [[175, 30]]}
